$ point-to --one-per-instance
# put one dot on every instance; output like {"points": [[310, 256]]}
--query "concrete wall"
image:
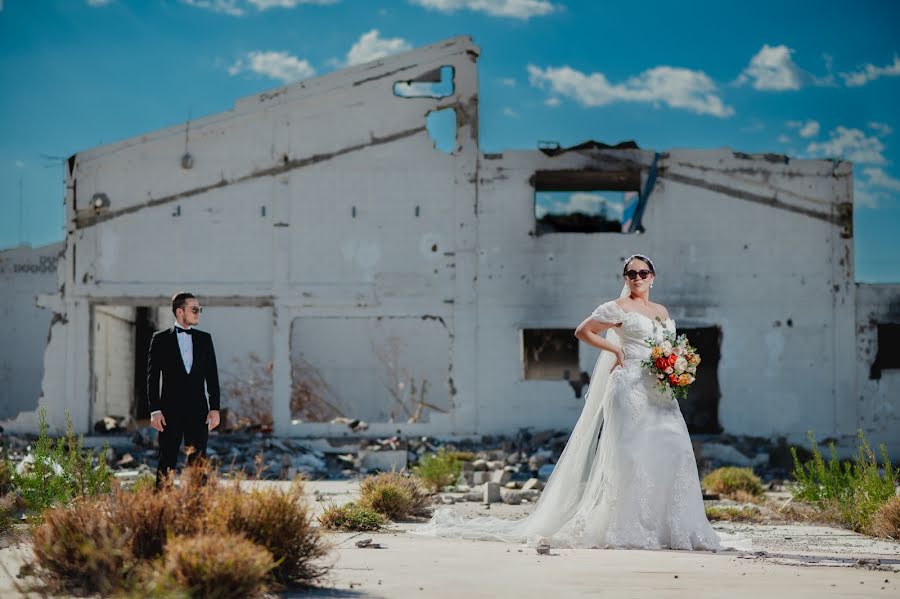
{"points": [[25, 273], [750, 244], [878, 394], [317, 220]]}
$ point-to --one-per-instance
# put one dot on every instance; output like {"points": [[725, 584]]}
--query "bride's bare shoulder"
{"points": [[660, 309]]}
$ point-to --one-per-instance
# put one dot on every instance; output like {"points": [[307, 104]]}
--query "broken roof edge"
{"points": [[295, 91]]}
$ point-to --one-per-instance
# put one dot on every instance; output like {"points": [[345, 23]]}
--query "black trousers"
{"points": [[192, 429]]}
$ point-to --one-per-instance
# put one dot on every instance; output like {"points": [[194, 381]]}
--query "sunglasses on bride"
{"points": [[633, 274]]}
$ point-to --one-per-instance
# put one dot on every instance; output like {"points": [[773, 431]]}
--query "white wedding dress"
{"points": [[627, 477]]}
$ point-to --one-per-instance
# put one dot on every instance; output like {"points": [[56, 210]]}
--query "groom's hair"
{"points": [[180, 299]]}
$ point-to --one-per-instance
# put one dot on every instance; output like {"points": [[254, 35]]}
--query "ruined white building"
{"points": [[433, 290]]}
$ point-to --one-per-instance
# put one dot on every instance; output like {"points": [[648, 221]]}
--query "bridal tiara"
{"points": [[641, 257]]}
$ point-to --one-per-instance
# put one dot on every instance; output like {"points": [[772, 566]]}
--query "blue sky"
{"points": [[810, 79]]}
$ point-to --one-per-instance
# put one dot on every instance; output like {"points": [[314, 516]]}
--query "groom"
{"points": [[187, 361]]}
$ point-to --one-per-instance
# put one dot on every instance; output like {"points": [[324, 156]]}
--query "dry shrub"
{"points": [[218, 566], [729, 481], [279, 521], [734, 514], [79, 548], [742, 496], [7, 513], [250, 395], [886, 521], [6, 476], [312, 398], [351, 517], [396, 496]]}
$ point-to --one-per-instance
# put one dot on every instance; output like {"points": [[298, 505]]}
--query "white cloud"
{"points": [[510, 113], [277, 65], [882, 129], [97, 3], [784, 139], [773, 69], [267, 4], [878, 178], [807, 129], [508, 82], [516, 9], [870, 72], [227, 7], [849, 144], [238, 8], [19, 164], [370, 46], [552, 101], [675, 87], [864, 196]]}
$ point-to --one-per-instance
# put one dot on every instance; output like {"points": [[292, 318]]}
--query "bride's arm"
{"points": [[589, 332]]}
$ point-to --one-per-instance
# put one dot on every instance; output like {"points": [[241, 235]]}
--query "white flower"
{"points": [[660, 376], [692, 369], [668, 370], [680, 364], [678, 350], [666, 346]]}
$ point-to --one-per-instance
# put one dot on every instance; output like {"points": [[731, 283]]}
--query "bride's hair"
{"points": [[638, 257]]}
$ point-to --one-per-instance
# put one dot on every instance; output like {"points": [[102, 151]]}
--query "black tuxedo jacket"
{"points": [[182, 392]]}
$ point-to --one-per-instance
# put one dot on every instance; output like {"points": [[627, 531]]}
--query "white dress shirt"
{"points": [[186, 347]]}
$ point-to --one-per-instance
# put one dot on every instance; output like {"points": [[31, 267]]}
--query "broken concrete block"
{"points": [[511, 497], [501, 477], [492, 493], [480, 477], [476, 494], [479, 465], [512, 485], [532, 483], [496, 465]]}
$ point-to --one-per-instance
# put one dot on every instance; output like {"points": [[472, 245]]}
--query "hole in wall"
{"points": [[441, 126], [436, 83]]}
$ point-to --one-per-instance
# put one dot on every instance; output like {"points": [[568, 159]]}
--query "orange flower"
{"points": [[655, 352], [673, 379], [684, 380], [661, 363], [672, 359]]}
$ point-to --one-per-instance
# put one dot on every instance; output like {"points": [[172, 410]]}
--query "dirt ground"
{"points": [[786, 560]]}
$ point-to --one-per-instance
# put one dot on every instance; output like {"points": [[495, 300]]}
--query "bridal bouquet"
{"points": [[674, 364]]}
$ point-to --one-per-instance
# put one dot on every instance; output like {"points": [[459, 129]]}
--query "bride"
{"points": [[627, 476]]}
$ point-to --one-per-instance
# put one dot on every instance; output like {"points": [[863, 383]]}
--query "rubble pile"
{"points": [[511, 469]]}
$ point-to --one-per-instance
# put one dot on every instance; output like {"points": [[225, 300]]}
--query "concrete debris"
{"points": [[510, 469], [368, 544], [492, 493]]}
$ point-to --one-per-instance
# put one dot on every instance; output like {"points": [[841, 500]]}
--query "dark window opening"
{"points": [[436, 83], [701, 407], [144, 326], [888, 356], [585, 201], [550, 354]]}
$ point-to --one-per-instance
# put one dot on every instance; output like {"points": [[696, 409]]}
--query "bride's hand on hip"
{"points": [[620, 360]]}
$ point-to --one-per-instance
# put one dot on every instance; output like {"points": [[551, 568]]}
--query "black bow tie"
{"points": [[185, 331]]}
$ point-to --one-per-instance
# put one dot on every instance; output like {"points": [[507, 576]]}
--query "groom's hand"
{"points": [[158, 421], [212, 419]]}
